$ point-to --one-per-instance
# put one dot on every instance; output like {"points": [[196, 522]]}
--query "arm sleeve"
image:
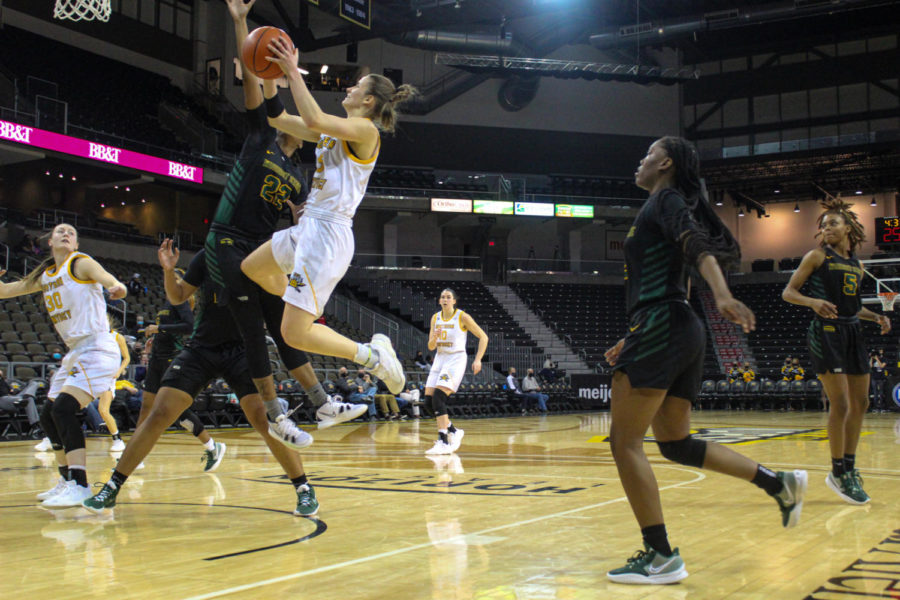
{"points": [[196, 271], [676, 220], [185, 322]]}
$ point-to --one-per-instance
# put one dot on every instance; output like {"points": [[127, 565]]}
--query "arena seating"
{"points": [[96, 88]]}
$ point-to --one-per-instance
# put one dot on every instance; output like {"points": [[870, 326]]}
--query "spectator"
{"points": [[796, 372], [512, 384], [345, 385], [9, 402], [387, 403], [549, 373], [878, 380], [413, 396], [734, 372], [530, 385], [748, 374], [420, 361], [786, 367], [135, 288], [364, 392]]}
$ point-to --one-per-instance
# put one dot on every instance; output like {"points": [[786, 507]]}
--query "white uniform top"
{"points": [[340, 181], [451, 337], [76, 306]]}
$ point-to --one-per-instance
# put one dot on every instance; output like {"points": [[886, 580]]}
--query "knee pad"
{"points": [[440, 402], [65, 415], [429, 403], [688, 451], [191, 422], [49, 427]]}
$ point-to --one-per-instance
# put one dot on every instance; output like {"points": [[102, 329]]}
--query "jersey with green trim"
{"points": [[213, 323], [174, 323], [837, 280], [655, 269], [262, 179]]}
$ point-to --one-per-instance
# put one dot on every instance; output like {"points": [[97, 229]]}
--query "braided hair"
{"points": [[835, 206], [721, 243]]}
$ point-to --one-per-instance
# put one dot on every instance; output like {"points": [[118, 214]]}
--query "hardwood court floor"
{"points": [[531, 509]]}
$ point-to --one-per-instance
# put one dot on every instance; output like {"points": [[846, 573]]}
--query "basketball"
{"points": [[256, 49]]}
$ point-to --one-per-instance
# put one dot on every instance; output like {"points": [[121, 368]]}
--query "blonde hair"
{"points": [[387, 97], [835, 206], [34, 276]]}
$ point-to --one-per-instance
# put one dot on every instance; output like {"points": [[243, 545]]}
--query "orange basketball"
{"points": [[256, 49]]}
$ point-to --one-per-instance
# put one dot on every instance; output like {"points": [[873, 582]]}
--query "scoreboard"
{"points": [[887, 232]]}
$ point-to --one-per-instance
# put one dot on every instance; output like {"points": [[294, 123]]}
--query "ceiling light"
{"points": [[324, 69], [102, 205], [46, 172], [873, 202], [60, 175], [777, 191], [128, 189], [859, 192], [741, 212], [123, 203], [797, 207], [73, 178], [143, 201]]}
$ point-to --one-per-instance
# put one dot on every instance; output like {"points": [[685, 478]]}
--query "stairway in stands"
{"points": [[540, 333], [730, 345]]}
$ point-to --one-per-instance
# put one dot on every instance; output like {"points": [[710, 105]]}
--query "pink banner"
{"points": [[100, 152]]}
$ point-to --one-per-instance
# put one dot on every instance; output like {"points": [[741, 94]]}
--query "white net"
{"points": [[887, 300], [82, 10]]}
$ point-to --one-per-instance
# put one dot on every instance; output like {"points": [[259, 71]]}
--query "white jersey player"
{"points": [[447, 335], [317, 251], [72, 285]]}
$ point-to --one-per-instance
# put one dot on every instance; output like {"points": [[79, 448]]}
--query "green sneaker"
{"points": [[847, 487], [214, 457], [105, 498], [859, 483], [790, 498], [647, 566], [307, 505]]}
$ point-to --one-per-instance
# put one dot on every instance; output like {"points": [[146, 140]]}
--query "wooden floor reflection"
{"points": [[529, 508]]}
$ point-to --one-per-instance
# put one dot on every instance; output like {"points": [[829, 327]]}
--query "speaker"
{"points": [[352, 52]]}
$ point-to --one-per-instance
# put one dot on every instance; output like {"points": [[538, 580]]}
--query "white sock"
{"points": [[366, 356], [210, 445]]}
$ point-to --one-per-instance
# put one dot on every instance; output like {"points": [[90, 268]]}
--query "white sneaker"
{"points": [[73, 495], [388, 369], [456, 439], [117, 446], [44, 445], [60, 486], [334, 412], [286, 431], [440, 447]]}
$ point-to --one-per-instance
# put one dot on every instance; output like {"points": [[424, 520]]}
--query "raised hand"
{"points": [[168, 254], [239, 9], [284, 57]]}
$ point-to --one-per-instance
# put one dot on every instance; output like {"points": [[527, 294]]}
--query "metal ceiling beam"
{"points": [[502, 65]]}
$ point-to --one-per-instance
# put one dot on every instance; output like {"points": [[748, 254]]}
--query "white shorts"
{"points": [[90, 366], [315, 254], [447, 371]]}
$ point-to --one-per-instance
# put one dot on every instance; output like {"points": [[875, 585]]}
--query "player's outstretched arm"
{"points": [[239, 11], [18, 288]]}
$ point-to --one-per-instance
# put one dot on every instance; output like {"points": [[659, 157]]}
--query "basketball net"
{"points": [[887, 300], [82, 10]]}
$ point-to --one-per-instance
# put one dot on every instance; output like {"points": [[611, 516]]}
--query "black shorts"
{"points": [[156, 368], [837, 346], [194, 367], [224, 254], [664, 350]]}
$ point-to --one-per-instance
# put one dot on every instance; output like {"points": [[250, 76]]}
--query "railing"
{"points": [[359, 317], [416, 261]]}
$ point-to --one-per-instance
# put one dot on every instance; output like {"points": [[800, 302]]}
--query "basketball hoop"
{"points": [[887, 300], [82, 10]]}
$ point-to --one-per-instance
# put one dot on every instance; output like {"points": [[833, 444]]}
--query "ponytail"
{"points": [[387, 98], [721, 243]]}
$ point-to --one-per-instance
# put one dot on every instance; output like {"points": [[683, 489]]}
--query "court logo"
{"points": [[296, 281], [873, 576], [896, 394]]}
